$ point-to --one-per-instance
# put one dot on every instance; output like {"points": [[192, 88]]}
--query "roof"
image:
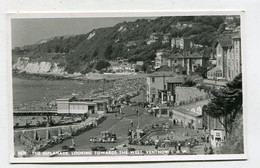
{"points": [[84, 98], [104, 96], [225, 42], [176, 79], [237, 36], [162, 73], [215, 69], [176, 55], [195, 55], [187, 112], [164, 68], [83, 102], [67, 97], [99, 101]]}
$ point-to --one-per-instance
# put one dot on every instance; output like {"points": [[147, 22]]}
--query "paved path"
{"points": [[118, 126], [82, 140]]}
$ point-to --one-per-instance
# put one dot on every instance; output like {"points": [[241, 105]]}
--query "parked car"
{"points": [[68, 148], [98, 148]]}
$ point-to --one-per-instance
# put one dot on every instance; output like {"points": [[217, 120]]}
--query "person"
{"points": [[73, 142], [137, 112], [189, 147], [205, 150], [129, 132], [174, 122], [132, 123], [207, 138], [211, 150]]}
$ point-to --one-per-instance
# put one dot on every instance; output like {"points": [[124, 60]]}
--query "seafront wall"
{"points": [[40, 139]]}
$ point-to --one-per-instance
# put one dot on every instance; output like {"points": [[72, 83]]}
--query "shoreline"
{"points": [[90, 76]]}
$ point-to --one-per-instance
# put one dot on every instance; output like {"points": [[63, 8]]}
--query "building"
{"points": [[190, 62], [141, 63], [122, 68], [234, 61], [217, 137], [180, 43], [170, 93], [228, 55], [161, 111], [187, 118], [162, 87], [155, 37], [166, 38], [161, 58], [81, 105], [157, 85]]}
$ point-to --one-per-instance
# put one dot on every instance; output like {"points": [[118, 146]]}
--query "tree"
{"points": [[226, 103], [221, 28], [57, 48], [101, 64], [189, 83], [202, 71], [108, 52], [94, 53]]}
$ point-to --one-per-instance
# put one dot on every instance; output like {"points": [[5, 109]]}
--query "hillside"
{"points": [[124, 40]]}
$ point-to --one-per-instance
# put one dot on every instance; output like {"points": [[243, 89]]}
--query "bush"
{"points": [[234, 143], [189, 83], [101, 64]]}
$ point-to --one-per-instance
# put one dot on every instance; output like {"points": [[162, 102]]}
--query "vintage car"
{"points": [[105, 137], [98, 148], [68, 148]]}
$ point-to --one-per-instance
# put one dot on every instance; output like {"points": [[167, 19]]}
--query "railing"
{"points": [[34, 112]]}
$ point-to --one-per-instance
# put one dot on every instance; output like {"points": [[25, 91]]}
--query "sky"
{"points": [[29, 31]]}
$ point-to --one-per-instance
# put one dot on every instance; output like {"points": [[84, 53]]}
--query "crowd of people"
{"points": [[122, 89]]}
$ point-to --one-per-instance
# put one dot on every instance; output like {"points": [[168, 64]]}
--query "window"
{"points": [[164, 111], [219, 49], [219, 61], [164, 97], [153, 79], [100, 106]]}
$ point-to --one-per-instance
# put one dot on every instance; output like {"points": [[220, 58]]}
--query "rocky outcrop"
{"points": [[23, 64]]}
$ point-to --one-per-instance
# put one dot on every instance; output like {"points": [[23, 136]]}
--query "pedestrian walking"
{"points": [[205, 150], [73, 142], [211, 150], [132, 123]]}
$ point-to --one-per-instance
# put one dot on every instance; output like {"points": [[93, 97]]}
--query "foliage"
{"points": [[108, 52], [206, 88], [101, 64], [202, 71], [189, 83], [110, 43], [227, 103], [234, 144]]}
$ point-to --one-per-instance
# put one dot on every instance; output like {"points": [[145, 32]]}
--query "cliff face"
{"points": [[24, 65]]}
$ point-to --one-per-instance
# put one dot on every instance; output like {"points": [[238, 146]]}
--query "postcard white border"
{"points": [[106, 159]]}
